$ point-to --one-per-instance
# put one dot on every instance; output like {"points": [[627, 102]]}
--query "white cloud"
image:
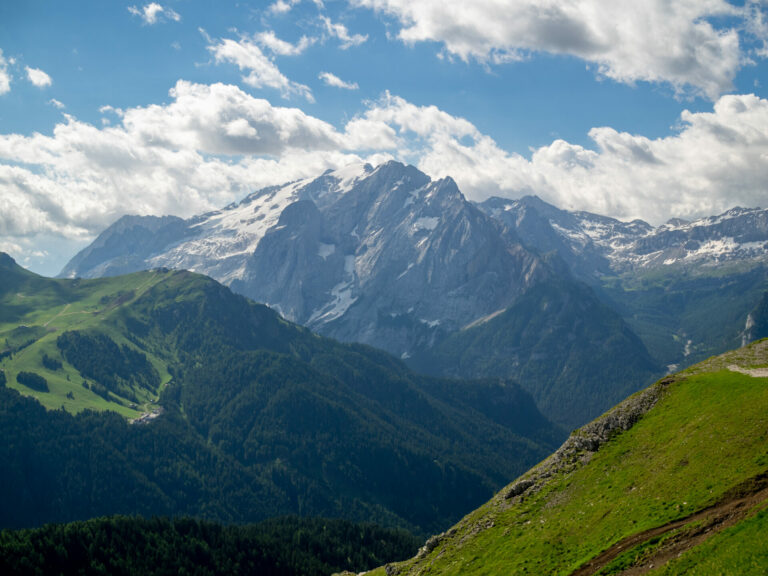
{"points": [[262, 71], [683, 43], [5, 76], [714, 161], [212, 144], [757, 26], [153, 13], [195, 118], [282, 6], [56, 104], [38, 77], [336, 82], [209, 146], [280, 47], [339, 31]]}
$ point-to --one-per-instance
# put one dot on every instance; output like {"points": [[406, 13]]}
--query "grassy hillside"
{"points": [[252, 416], [678, 471], [35, 311]]}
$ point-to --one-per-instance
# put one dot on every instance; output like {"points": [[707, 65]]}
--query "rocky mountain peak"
{"points": [[383, 255]]}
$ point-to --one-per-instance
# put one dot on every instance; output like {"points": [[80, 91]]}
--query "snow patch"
{"points": [[413, 196], [225, 238], [714, 248], [341, 297], [404, 272], [425, 223], [347, 177], [578, 237], [325, 250]]}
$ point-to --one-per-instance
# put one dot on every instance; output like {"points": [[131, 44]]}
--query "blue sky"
{"points": [[633, 109]]}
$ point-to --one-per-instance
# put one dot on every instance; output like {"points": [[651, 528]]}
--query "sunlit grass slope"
{"points": [[699, 438], [35, 311]]}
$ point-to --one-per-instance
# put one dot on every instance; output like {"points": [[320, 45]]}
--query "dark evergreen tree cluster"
{"points": [[51, 363], [119, 369], [159, 546], [33, 381]]}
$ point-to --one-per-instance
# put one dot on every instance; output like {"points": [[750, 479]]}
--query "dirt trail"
{"points": [[735, 506], [57, 315], [754, 372]]}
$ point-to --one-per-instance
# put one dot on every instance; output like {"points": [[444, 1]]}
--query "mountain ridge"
{"points": [[686, 288], [314, 265]]}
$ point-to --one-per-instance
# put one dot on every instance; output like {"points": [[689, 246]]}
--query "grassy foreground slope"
{"points": [[679, 470]]}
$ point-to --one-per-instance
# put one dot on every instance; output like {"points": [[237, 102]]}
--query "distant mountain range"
{"points": [[688, 289], [381, 256], [563, 302], [595, 246]]}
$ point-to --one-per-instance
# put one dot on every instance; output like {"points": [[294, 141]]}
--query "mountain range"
{"points": [[581, 309], [688, 289]]}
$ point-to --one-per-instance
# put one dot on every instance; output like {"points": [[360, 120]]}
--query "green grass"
{"points": [[740, 550], [39, 310], [709, 433]]}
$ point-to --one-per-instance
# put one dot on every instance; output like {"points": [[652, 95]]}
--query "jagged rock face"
{"points": [[594, 245], [382, 256]]}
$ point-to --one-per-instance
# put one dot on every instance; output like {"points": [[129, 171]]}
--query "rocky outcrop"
{"points": [[587, 440]]}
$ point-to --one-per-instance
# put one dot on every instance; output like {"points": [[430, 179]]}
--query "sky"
{"points": [[648, 109]]}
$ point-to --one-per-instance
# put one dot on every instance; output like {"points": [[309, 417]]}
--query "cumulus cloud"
{"points": [[56, 104], [209, 146], [285, 6], [222, 119], [341, 32], [153, 13], [333, 80], [757, 26], [282, 6], [37, 77], [262, 72], [715, 160], [212, 144], [628, 41], [5, 76]]}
